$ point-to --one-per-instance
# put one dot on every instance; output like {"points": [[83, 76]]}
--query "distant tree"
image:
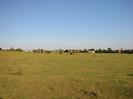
{"points": [[60, 51], [81, 51], [132, 51], [85, 50], [0, 49], [116, 51], [128, 51], [34, 50], [99, 51], [104, 51], [41, 50], [38, 50], [12, 49], [91, 49], [47, 51], [66, 51], [19, 49], [110, 50]]}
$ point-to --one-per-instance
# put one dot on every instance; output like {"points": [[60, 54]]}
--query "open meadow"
{"points": [[64, 76]]}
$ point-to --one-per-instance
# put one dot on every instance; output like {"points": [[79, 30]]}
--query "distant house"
{"points": [[91, 51]]}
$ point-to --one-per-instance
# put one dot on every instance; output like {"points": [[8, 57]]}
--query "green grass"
{"points": [[64, 76]]}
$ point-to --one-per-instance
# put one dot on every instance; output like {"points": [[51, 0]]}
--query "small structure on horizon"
{"points": [[120, 51], [91, 51]]}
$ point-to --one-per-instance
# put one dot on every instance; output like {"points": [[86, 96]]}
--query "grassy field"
{"points": [[65, 76]]}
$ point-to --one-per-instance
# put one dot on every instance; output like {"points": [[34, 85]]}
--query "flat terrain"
{"points": [[64, 76]]}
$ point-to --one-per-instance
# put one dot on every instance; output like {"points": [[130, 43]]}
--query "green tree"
{"points": [[110, 50], [19, 49], [85, 50]]}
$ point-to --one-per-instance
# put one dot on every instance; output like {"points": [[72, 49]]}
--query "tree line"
{"points": [[71, 51]]}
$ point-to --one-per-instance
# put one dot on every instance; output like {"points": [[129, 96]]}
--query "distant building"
{"points": [[120, 51], [91, 51]]}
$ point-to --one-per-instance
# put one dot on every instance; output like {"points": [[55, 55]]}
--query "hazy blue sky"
{"points": [[53, 24]]}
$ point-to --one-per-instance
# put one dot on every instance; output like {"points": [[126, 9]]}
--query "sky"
{"points": [[66, 24]]}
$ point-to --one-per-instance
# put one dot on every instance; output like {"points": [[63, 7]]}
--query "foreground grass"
{"points": [[64, 76]]}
